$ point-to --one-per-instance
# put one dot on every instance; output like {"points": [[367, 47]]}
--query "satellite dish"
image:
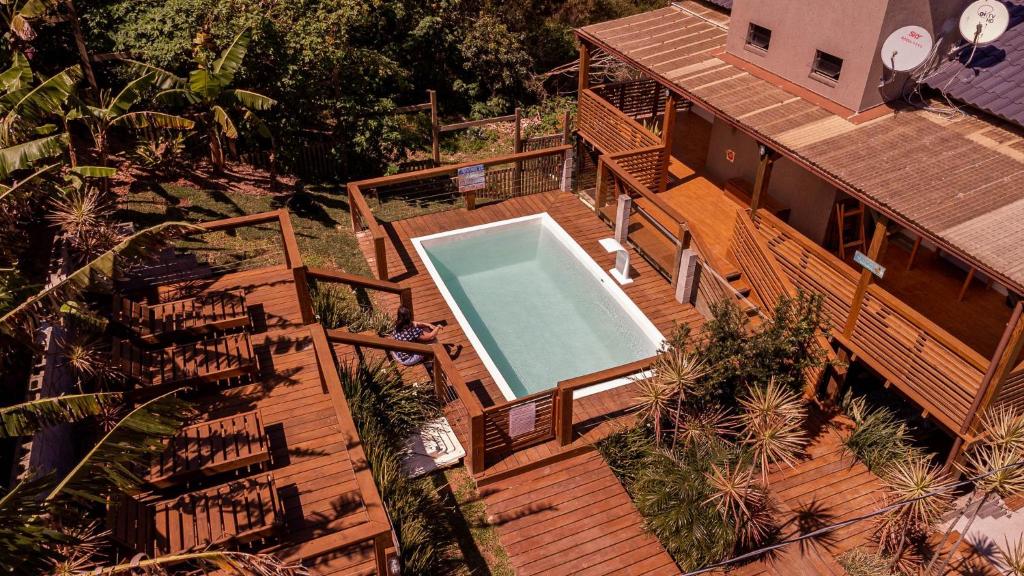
{"points": [[906, 48], [984, 21]]}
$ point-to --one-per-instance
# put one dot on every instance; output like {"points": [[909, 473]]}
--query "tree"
{"points": [[207, 89], [116, 111]]}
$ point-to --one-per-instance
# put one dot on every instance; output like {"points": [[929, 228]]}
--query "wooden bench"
{"points": [[215, 311], [205, 361], [741, 192], [232, 513], [209, 448]]}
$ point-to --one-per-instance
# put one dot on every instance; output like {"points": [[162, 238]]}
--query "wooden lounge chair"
{"points": [[232, 513], [210, 448], [205, 361], [215, 311]]}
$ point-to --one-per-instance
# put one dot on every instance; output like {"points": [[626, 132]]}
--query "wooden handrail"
{"points": [[357, 281], [379, 343], [379, 526], [566, 388], [454, 168], [634, 152], [521, 400], [589, 95], [292, 256]]}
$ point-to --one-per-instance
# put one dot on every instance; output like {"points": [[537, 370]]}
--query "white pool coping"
{"points": [[612, 287]]}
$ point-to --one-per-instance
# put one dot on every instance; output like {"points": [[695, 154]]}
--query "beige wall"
{"points": [[809, 198], [851, 30]]}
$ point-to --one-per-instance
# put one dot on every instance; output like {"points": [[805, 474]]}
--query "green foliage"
{"points": [[28, 543], [160, 152], [860, 562], [28, 417], [880, 438], [387, 411], [782, 348], [338, 306]]}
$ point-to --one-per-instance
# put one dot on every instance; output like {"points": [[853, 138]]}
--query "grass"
{"points": [[477, 540]]}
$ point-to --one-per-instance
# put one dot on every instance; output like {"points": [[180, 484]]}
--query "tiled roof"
{"points": [[993, 80], [956, 180]]}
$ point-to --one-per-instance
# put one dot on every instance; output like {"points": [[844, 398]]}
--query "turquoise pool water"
{"points": [[540, 308]]}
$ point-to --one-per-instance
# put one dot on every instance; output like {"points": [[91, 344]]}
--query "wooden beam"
{"points": [[668, 121], [875, 250], [480, 122], [584, 77], [435, 128], [517, 147], [999, 369], [766, 162]]}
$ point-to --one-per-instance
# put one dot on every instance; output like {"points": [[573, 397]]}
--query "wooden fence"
{"points": [[638, 99], [566, 389], [608, 128], [519, 424], [532, 172]]}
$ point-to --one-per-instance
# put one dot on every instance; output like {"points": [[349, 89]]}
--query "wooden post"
{"points": [[764, 175], [405, 299], [517, 147], [999, 368], [875, 251], [435, 128], [668, 122], [381, 256], [599, 189], [305, 299], [584, 77], [563, 425], [566, 127], [682, 244], [477, 453]]}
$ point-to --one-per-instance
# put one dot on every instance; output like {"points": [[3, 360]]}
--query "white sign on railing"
{"points": [[472, 178], [522, 419]]}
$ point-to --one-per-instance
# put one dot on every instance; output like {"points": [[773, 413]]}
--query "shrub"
{"points": [[879, 437], [387, 411], [337, 306]]}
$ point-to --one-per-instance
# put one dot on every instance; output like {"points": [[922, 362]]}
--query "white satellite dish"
{"points": [[906, 48], [984, 21]]}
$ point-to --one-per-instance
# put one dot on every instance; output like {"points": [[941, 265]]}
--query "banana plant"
{"points": [[117, 111], [27, 112], [18, 15], [208, 90]]}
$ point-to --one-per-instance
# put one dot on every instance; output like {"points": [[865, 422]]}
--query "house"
{"points": [[763, 138]]}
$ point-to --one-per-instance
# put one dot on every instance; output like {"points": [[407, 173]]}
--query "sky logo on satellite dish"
{"points": [[906, 48], [984, 21]]}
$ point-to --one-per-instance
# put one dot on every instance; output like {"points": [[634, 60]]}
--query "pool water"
{"points": [[540, 309]]}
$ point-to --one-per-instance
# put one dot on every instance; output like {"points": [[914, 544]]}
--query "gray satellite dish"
{"points": [[984, 21], [906, 48]]}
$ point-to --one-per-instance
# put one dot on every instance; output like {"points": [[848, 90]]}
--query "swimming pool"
{"points": [[534, 305]]}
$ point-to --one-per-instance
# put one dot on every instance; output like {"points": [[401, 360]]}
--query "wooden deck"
{"points": [[573, 517], [315, 456], [596, 415]]}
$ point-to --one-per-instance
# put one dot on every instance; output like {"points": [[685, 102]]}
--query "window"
{"points": [[759, 37], [827, 65]]}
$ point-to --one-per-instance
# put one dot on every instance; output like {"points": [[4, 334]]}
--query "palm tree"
{"points": [[908, 481], [207, 88], [116, 111], [652, 402], [772, 420]]}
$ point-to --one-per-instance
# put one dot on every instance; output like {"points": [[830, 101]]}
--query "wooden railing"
{"points": [[328, 275], [811, 268], [506, 176], [637, 99], [1012, 391], [608, 128], [449, 385], [519, 424], [928, 364], [567, 388], [924, 361]]}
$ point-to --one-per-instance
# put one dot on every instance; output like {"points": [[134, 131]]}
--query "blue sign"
{"points": [[869, 264], [472, 178]]}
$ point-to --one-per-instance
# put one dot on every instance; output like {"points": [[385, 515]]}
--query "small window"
{"points": [[827, 65], [759, 37]]}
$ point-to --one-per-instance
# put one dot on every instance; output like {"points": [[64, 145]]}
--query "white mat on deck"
{"points": [[433, 448]]}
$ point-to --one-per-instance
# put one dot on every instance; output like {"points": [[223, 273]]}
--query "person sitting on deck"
{"points": [[408, 330]]}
